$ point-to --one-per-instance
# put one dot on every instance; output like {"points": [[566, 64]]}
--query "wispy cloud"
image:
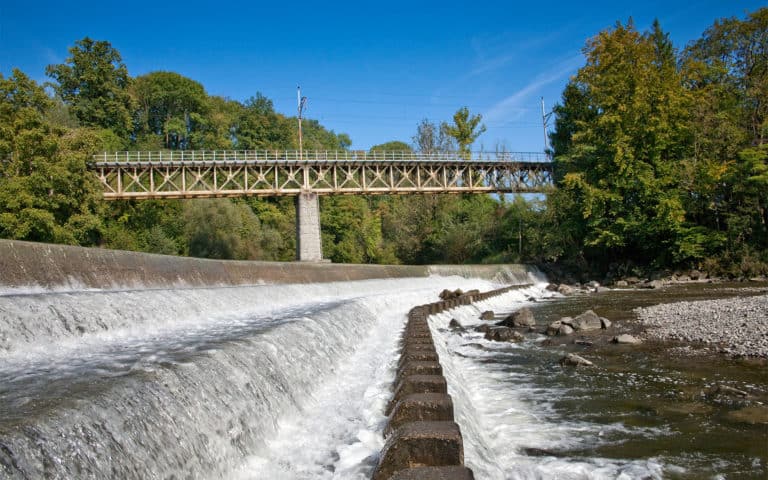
{"points": [[510, 108]]}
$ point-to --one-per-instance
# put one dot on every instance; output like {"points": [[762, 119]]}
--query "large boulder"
{"points": [[564, 289], [503, 334], [521, 318], [587, 321], [487, 315]]}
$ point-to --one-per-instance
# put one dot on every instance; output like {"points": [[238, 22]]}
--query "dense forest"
{"points": [[660, 154]]}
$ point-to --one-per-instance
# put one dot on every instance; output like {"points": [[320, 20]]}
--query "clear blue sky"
{"points": [[372, 70]]}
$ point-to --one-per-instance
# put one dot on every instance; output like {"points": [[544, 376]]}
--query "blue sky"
{"points": [[372, 70]]}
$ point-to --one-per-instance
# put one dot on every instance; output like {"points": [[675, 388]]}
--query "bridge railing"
{"points": [[224, 156]]}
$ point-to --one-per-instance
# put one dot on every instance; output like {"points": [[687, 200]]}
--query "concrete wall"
{"points": [[27, 264]]}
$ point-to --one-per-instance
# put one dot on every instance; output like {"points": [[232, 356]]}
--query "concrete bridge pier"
{"points": [[309, 247]]}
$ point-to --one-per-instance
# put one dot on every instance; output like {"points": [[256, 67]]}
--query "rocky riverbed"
{"points": [[736, 326]]}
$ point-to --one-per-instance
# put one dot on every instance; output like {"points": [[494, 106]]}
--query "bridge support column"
{"points": [[309, 246]]}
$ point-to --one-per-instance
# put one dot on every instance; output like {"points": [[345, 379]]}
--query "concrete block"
{"points": [[420, 407], [417, 384], [419, 444], [434, 473]]}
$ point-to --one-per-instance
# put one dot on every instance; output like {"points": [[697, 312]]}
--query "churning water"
{"points": [[282, 381], [290, 382]]}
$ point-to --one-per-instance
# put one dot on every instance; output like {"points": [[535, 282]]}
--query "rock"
{"points": [[583, 343], [446, 294], [471, 292], [520, 318], [622, 283], [697, 275], [552, 287], [605, 322], [725, 390], [503, 334], [487, 315], [565, 330], [683, 279], [553, 328], [483, 328], [573, 360], [587, 321], [626, 339], [656, 284], [564, 289], [632, 280], [456, 326], [566, 321], [753, 415], [593, 284]]}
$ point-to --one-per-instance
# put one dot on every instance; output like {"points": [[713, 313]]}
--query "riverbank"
{"points": [[735, 326]]}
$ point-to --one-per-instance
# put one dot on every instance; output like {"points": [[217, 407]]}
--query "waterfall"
{"points": [[199, 383]]}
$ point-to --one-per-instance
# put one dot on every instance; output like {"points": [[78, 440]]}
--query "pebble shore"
{"points": [[736, 326]]}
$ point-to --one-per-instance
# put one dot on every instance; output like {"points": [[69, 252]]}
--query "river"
{"points": [[290, 382]]}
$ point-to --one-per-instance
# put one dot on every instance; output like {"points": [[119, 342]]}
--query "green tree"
{"points": [[170, 106], [465, 130], [259, 127], [46, 191], [94, 84], [223, 229], [618, 158]]}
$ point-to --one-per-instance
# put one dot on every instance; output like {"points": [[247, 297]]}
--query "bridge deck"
{"points": [[187, 174]]}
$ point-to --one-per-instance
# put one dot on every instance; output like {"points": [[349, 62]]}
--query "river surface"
{"points": [[290, 382]]}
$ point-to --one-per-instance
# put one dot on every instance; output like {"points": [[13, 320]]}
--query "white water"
{"points": [[502, 412], [202, 382]]}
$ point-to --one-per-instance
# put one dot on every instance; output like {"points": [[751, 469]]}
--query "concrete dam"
{"points": [[126, 365]]}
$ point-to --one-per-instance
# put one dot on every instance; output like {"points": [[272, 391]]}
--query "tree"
{"points": [[259, 127], [465, 130], [46, 191], [622, 134], [94, 83], [432, 138], [170, 106]]}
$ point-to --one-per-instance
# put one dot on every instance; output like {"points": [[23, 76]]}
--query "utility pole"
{"points": [[544, 118], [301, 102]]}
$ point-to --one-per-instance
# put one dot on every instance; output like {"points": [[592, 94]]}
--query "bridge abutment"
{"points": [[309, 247]]}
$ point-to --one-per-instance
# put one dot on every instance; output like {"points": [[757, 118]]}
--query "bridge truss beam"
{"points": [[234, 178]]}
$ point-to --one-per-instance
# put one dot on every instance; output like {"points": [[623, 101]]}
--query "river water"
{"points": [[290, 382]]}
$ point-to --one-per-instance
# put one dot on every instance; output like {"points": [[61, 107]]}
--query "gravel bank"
{"points": [[738, 326]]}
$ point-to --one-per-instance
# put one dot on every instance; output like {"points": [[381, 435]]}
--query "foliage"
{"points": [[46, 192], [94, 83], [465, 130]]}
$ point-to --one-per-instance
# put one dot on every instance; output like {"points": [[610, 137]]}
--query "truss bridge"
{"points": [[307, 174]]}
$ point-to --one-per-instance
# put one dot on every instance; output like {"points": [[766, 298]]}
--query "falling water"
{"points": [[206, 383]]}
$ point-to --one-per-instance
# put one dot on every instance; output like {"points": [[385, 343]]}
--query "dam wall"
{"points": [[32, 265]]}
